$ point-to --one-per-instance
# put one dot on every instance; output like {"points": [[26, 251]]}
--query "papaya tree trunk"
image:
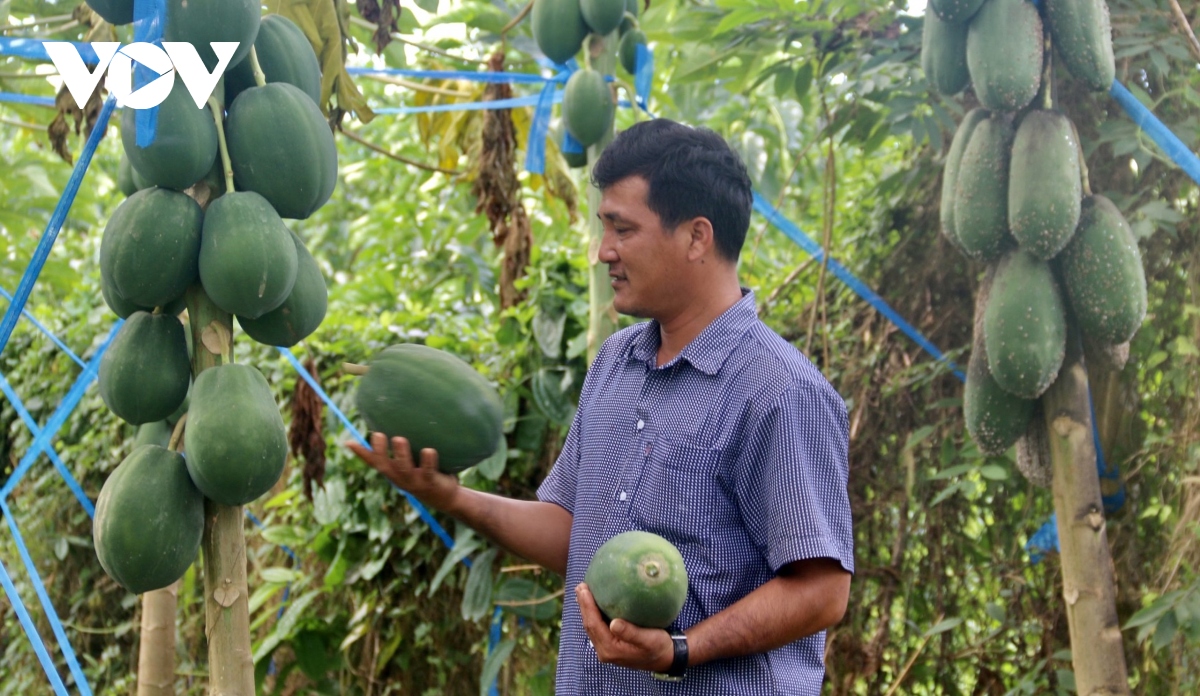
{"points": [[1088, 587], [602, 321], [156, 649], [226, 594]]}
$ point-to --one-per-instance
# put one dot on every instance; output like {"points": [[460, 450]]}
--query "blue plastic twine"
{"points": [[31, 632], [1162, 136]]}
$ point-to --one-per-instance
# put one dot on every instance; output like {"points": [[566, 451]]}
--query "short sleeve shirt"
{"points": [[736, 452]]}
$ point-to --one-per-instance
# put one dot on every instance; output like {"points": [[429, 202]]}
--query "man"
{"points": [[701, 425]]}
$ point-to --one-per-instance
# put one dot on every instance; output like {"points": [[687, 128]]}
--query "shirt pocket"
{"points": [[678, 492]]}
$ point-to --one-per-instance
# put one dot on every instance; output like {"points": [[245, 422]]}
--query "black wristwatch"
{"points": [[675, 672]]}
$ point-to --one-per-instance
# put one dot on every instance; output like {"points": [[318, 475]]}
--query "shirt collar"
{"points": [[708, 351]]}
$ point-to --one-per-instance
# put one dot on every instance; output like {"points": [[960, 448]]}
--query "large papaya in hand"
{"points": [[145, 371], [435, 400], [1024, 325], [559, 28], [944, 54], [639, 577], [981, 191], [149, 520], [235, 439], [1102, 270], [247, 256], [1004, 54], [150, 251], [200, 23], [185, 142], [588, 107], [950, 172], [1044, 185], [1083, 36], [284, 54], [301, 313], [282, 148]]}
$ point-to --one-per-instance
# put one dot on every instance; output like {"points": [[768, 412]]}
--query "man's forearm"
{"points": [[785, 609], [534, 530]]}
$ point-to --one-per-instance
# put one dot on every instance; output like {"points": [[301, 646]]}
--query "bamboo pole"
{"points": [[1097, 654], [226, 593], [156, 648], [602, 318]]}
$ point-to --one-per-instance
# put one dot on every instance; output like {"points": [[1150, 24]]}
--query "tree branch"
{"points": [[375, 148]]}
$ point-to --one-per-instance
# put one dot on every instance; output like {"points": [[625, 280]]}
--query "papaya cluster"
{"points": [[1014, 196], [160, 245], [560, 28]]}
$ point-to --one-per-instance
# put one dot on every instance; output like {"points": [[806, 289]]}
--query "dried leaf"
{"points": [[305, 436]]}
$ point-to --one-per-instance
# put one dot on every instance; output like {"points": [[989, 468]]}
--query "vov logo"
{"points": [[174, 57]]}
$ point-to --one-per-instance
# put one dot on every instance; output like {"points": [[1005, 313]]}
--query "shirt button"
{"points": [[641, 424], [623, 496]]}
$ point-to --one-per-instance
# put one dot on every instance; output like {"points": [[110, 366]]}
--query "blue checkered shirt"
{"points": [[736, 452]]}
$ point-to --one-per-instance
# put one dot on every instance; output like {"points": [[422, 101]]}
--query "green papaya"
{"points": [[1083, 36], [950, 172], [576, 160], [115, 12], [1044, 186], [627, 49], [981, 191], [995, 418], [301, 313], [282, 148], [150, 251], [1103, 275], [145, 371], [185, 142], [435, 400], [247, 256], [588, 107], [1004, 54], [153, 433], [639, 577], [235, 440], [123, 308], [602, 16], [284, 54], [200, 23], [559, 28], [944, 54], [955, 11], [1024, 325], [149, 520], [128, 180]]}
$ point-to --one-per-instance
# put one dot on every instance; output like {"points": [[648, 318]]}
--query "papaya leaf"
{"points": [[527, 599], [493, 467], [495, 660], [477, 598], [548, 331]]}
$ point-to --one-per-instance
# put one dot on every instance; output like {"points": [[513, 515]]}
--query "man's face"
{"points": [[647, 265]]}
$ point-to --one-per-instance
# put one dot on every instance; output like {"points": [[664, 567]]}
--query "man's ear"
{"points": [[700, 232]]}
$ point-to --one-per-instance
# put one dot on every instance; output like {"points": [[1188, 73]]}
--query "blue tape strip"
{"points": [[148, 19], [1043, 541], [31, 632], [56, 626], [14, 98], [466, 106], [539, 126], [424, 513], [1171, 145], [49, 334], [493, 640], [30, 423], [570, 145], [472, 76], [42, 440], [813, 249], [643, 78], [46, 243], [33, 49]]}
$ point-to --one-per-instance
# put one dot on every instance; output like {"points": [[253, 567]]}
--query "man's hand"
{"points": [[425, 482], [622, 643]]}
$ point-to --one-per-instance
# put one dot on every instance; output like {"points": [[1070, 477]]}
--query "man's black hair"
{"points": [[691, 172]]}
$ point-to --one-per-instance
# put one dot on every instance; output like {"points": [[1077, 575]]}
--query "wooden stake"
{"points": [[156, 649]]}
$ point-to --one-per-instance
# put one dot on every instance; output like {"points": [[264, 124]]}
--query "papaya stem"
{"points": [[177, 434], [1048, 75], [226, 164], [355, 369], [260, 78], [517, 19], [1083, 170]]}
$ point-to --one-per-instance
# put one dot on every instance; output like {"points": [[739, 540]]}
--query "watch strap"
{"points": [[679, 662]]}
